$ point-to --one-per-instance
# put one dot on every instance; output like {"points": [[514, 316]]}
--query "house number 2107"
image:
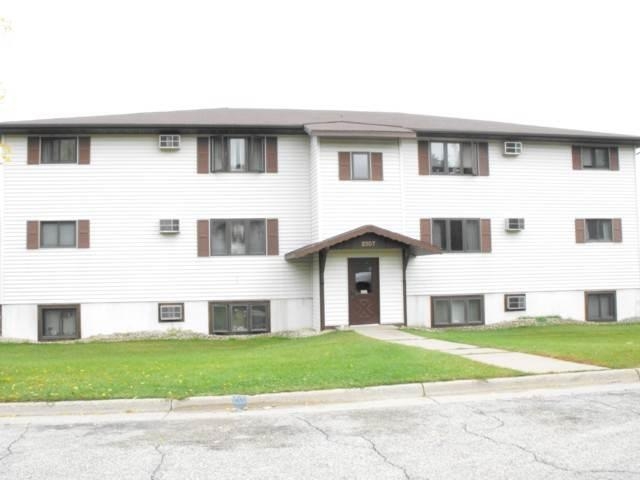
{"points": [[368, 243]]}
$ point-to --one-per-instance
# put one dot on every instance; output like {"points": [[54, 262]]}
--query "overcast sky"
{"points": [[573, 64]]}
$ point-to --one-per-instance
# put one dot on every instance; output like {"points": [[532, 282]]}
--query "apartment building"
{"points": [[240, 221]]}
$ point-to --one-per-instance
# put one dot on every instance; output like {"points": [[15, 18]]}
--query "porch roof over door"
{"points": [[344, 240]]}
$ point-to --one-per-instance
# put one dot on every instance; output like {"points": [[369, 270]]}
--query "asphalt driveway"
{"points": [[579, 434]]}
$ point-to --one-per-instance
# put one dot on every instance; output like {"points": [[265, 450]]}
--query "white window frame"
{"points": [[515, 302], [165, 308]]}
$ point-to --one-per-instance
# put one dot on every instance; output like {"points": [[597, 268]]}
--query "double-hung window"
{"points": [[456, 235], [360, 166], [59, 150], [58, 234], [238, 237], [239, 317], [454, 158], [238, 154]]}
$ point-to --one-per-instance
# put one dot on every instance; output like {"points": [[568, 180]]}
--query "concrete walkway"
{"points": [[523, 362]]}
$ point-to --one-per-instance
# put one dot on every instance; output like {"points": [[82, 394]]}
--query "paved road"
{"points": [[579, 434]]}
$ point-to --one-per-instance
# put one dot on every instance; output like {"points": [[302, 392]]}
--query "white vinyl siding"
{"points": [[336, 285], [124, 192]]}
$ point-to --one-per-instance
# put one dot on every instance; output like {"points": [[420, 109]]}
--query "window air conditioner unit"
{"points": [[512, 148], [514, 224], [169, 225], [169, 142]]}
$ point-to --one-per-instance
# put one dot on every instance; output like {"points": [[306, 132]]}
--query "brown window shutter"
{"points": [[580, 233], [425, 230], [344, 165], [84, 150], [617, 229], [483, 160], [485, 235], [614, 163], [376, 166], [272, 237], [576, 157], [203, 237], [272, 154], [33, 234], [84, 234], [423, 158], [33, 150], [203, 154]]}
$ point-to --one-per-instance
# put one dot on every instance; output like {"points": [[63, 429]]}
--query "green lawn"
{"points": [[181, 368], [609, 345]]}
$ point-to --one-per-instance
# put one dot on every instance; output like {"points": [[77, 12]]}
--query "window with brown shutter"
{"points": [[594, 157], [376, 166], [580, 234], [485, 235], [617, 230], [203, 238], [483, 159], [83, 234], [203, 154], [423, 158], [454, 158], [272, 237], [360, 166], [576, 159], [344, 165], [598, 230], [33, 150], [272, 154], [458, 234], [33, 234], [614, 163], [425, 230], [84, 150]]}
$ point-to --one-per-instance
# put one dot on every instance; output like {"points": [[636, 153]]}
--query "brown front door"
{"points": [[364, 291]]}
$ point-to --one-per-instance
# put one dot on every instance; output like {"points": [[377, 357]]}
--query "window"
{"points": [[454, 158], [238, 237], [239, 317], [238, 154], [599, 230], [515, 302], [58, 322], [595, 157], [171, 312], [454, 311], [59, 150], [169, 142], [360, 166], [601, 306], [57, 234], [456, 235]]}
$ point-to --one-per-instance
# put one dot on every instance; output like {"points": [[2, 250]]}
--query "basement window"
{"points": [[239, 317], [58, 322]]}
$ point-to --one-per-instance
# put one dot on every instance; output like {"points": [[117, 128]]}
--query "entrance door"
{"points": [[364, 291]]}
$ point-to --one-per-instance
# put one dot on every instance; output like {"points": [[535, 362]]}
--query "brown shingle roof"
{"points": [[416, 246], [342, 120]]}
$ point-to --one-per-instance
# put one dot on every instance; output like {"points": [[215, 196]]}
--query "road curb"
{"points": [[431, 390]]}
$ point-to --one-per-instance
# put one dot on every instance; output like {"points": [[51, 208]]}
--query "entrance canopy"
{"points": [[367, 237]]}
